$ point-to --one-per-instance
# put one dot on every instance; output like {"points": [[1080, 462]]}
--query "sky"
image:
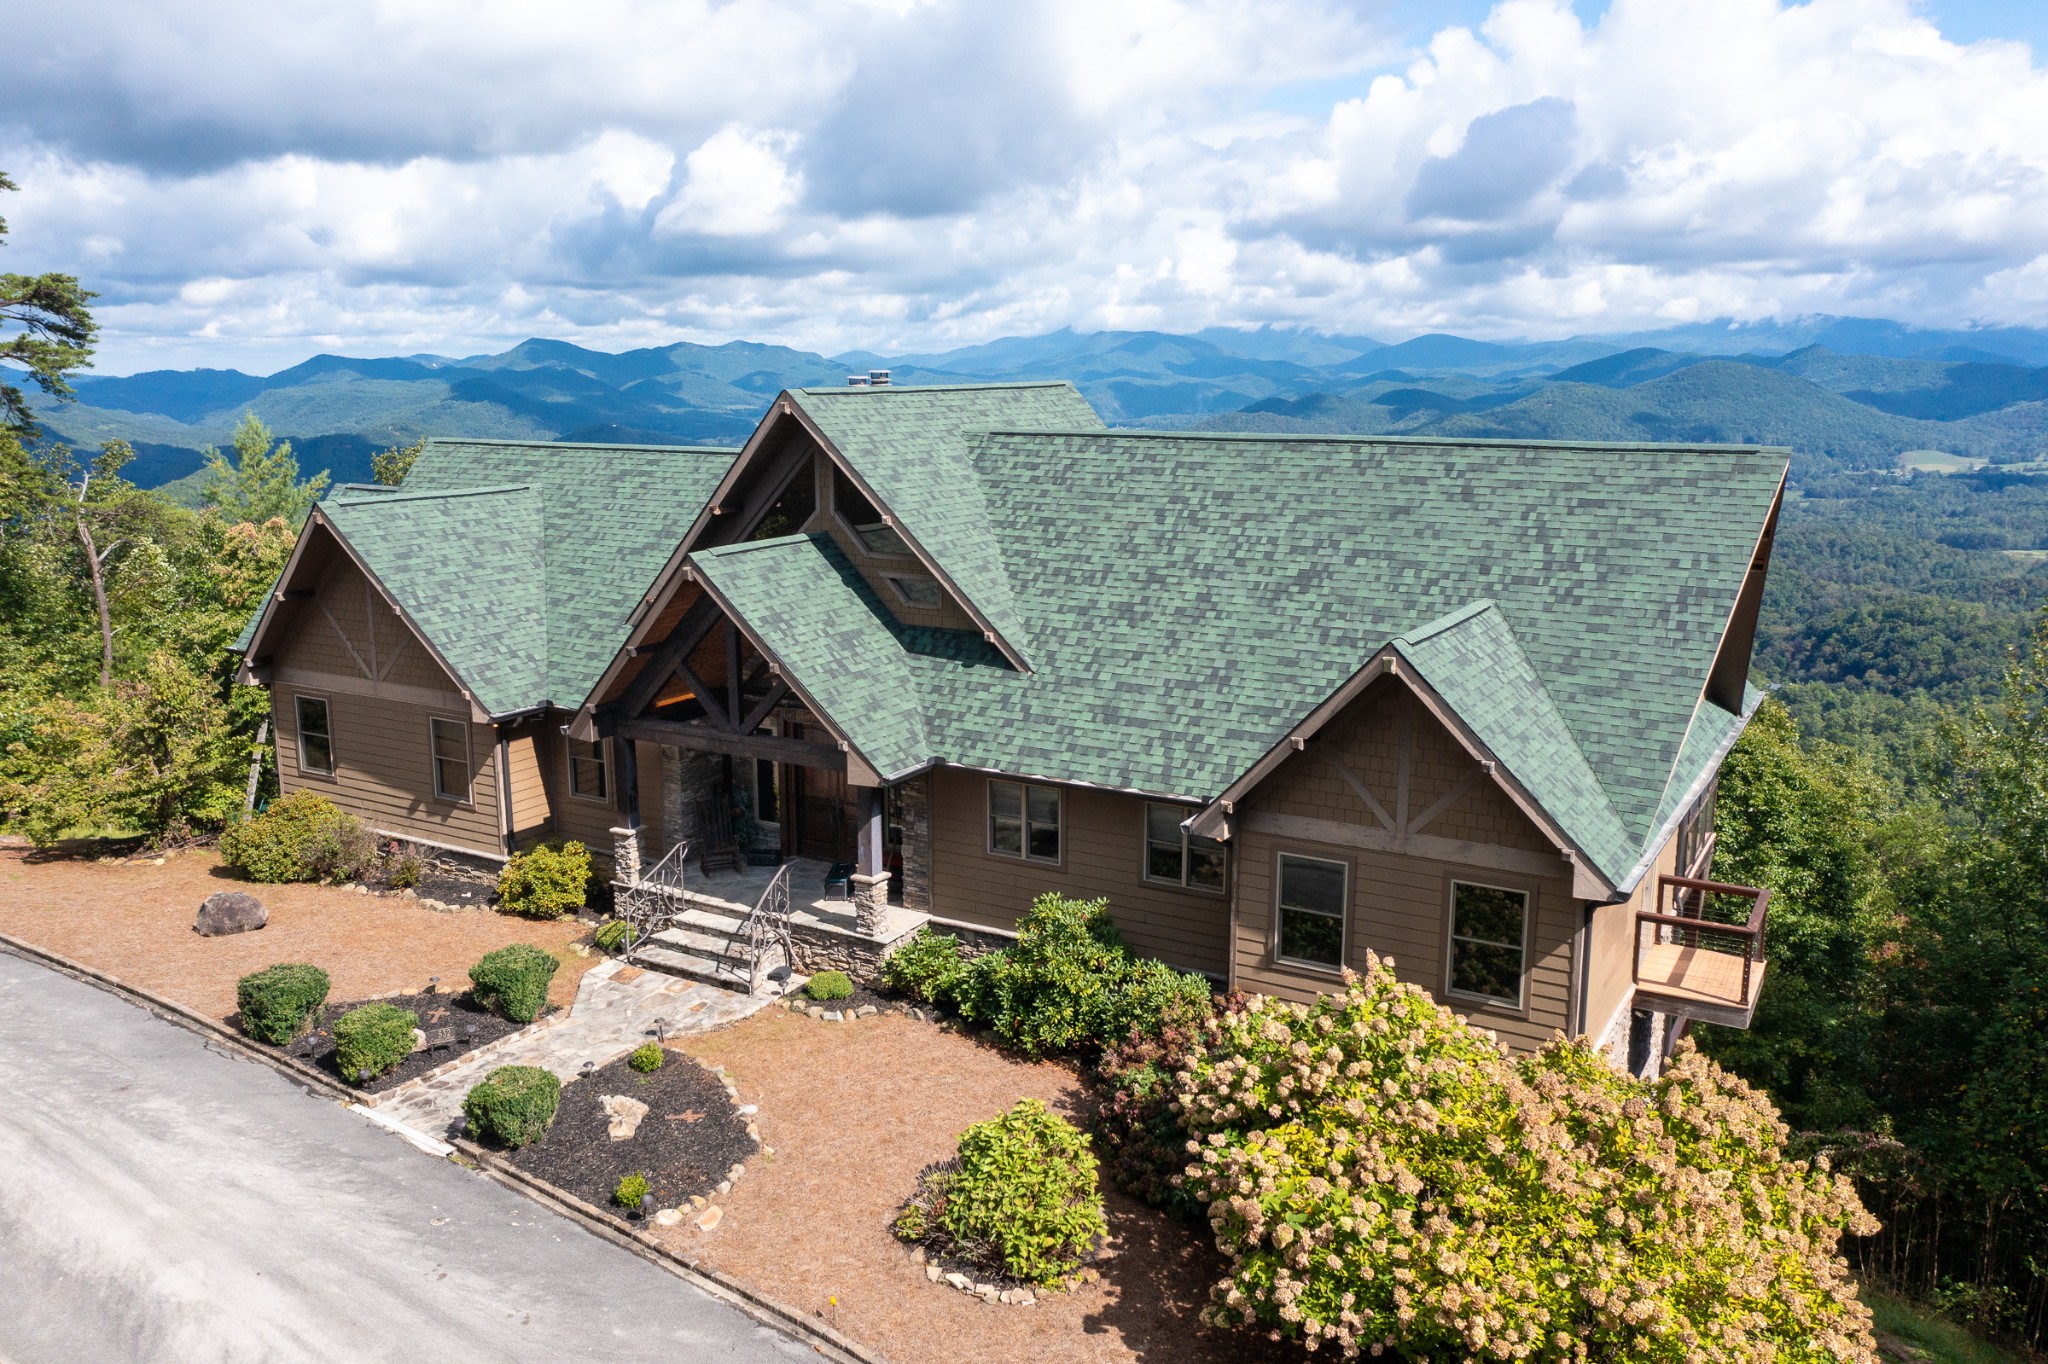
{"points": [[247, 183]]}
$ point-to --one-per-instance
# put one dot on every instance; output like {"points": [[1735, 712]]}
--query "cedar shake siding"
{"points": [[1102, 853], [1398, 901]]}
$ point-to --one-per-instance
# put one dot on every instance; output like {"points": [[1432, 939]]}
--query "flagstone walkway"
{"points": [[615, 1011]]}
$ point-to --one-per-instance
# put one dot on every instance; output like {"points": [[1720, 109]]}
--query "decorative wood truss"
{"points": [[671, 702]]}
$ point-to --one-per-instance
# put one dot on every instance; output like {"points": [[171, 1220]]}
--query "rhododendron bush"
{"points": [[1385, 1177]]}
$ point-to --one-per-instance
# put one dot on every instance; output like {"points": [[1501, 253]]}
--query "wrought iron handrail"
{"points": [[766, 925], [654, 899]]}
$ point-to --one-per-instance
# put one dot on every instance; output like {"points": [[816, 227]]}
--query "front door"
{"points": [[821, 807]]}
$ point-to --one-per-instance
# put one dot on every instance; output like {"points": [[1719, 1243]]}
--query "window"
{"points": [[1024, 821], [765, 807], [451, 759], [864, 519], [1696, 834], [589, 776], [1177, 857], [919, 592], [1489, 927], [1311, 910], [316, 736]]}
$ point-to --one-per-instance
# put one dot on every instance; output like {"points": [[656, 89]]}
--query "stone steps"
{"points": [[703, 945]]}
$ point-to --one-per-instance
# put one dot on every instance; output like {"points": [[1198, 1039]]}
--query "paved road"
{"points": [[160, 1200]]}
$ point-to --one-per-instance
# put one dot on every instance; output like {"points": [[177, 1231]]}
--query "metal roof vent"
{"points": [[879, 378], [856, 381]]}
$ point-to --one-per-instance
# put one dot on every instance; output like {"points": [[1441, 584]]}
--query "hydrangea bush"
{"points": [[1385, 1177]]}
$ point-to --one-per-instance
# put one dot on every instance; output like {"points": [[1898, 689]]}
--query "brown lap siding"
{"points": [[1102, 854], [383, 767]]}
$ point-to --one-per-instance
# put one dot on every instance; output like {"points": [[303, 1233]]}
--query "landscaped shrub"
{"points": [[1383, 1175], [279, 1001], [513, 1105], [647, 1056], [829, 985], [630, 1191], [1068, 985], [612, 936], [403, 867], [300, 837], [1138, 1125], [1021, 1199], [545, 882], [927, 967], [512, 982], [371, 1040]]}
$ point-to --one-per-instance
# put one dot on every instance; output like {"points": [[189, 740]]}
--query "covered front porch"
{"points": [[816, 901]]}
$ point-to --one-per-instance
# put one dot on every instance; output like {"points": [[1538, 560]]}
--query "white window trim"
{"points": [[468, 796], [1343, 920], [1519, 1007], [1024, 788], [299, 734], [604, 756], [1187, 861], [896, 581]]}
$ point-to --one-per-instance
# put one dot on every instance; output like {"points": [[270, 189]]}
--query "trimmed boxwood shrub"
{"points": [[829, 985], [1382, 1175], [512, 982], [300, 837], [630, 1191], [279, 1001], [512, 1106], [547, 881], [373, 1039], [1021, 1199], [613, 936], [647, 1056]]}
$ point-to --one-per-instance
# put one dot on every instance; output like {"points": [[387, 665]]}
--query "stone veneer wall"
{"points": [[687, 776], [823, 950], [914, 816]]}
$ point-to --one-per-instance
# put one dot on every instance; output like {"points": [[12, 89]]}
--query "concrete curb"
{"points": [[761, 1307], [766, 1310]]}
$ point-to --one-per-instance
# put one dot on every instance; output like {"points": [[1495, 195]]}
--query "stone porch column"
{"points": [[914, 815], [626, 856]]}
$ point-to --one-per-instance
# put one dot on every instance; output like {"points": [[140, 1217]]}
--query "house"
{"points": [[1282, 700]]}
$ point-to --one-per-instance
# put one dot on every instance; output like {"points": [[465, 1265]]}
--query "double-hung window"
{"points": [[1489, 942], [1310, 907], [316, 736], [1177, 857], [1024, 821], [450, 740], [590, 777]]}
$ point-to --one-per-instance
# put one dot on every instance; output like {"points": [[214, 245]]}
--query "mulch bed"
{"points": [[861, 997], [691, 1136], [474, 1026]]}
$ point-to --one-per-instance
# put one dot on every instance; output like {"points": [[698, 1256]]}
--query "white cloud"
{"points": [[455, 175]]}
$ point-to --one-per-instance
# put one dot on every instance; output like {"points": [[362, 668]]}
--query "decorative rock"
{"points": [[724, 1187], [362, 889], [697, 1201], [230, 911], [833, 1016], [917, 1255], [747, 1110], [933, 1273], [408, 894], [625, 1114], [987, 1292], [960, 1281], [668, 1217], [815, 1012], [711, 1218], [735, 1172], [753, 1132], [866, 1011], [419, 1040]]}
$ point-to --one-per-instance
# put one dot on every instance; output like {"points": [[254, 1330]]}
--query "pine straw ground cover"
{"points": [[133, 920], [853, 1111]]}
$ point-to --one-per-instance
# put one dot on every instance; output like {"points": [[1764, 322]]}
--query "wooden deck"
{"points": [[1698, 982]]}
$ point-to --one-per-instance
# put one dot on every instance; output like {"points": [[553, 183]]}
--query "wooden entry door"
{"points": [[821, 808]]}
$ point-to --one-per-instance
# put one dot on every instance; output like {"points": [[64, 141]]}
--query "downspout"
{"points": [[1582, 965], [504, 790]]}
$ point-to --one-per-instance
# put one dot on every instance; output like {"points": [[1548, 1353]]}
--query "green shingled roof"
{"points": [[1188, 599], [914, 447], [520, 561]]}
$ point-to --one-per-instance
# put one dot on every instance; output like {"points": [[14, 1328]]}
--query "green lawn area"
{"points": [[1912, 1334], [1937, 462]]}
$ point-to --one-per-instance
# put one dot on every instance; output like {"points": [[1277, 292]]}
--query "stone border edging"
{"points": [[761, 1307], [766, 1310]]}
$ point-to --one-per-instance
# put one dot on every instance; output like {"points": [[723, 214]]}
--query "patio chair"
{"points": [[718, 848], [839, 874]]}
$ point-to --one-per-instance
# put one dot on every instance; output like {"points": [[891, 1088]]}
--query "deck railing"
{"points": [[766, 926], [1696, 913]]}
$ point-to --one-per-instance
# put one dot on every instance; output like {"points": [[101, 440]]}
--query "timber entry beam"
{"points": [[669, 655], [705, 738]]}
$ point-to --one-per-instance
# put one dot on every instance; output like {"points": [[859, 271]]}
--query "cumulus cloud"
{"points": [[245, 182]]}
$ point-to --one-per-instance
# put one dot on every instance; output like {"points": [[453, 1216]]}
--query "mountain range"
{"points": [[1844, 393]]}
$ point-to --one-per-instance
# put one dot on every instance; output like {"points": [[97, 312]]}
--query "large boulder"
{"points": [[230, 911]]}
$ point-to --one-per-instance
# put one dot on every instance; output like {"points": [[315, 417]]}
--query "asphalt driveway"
{"points": [[160, 1200]]}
